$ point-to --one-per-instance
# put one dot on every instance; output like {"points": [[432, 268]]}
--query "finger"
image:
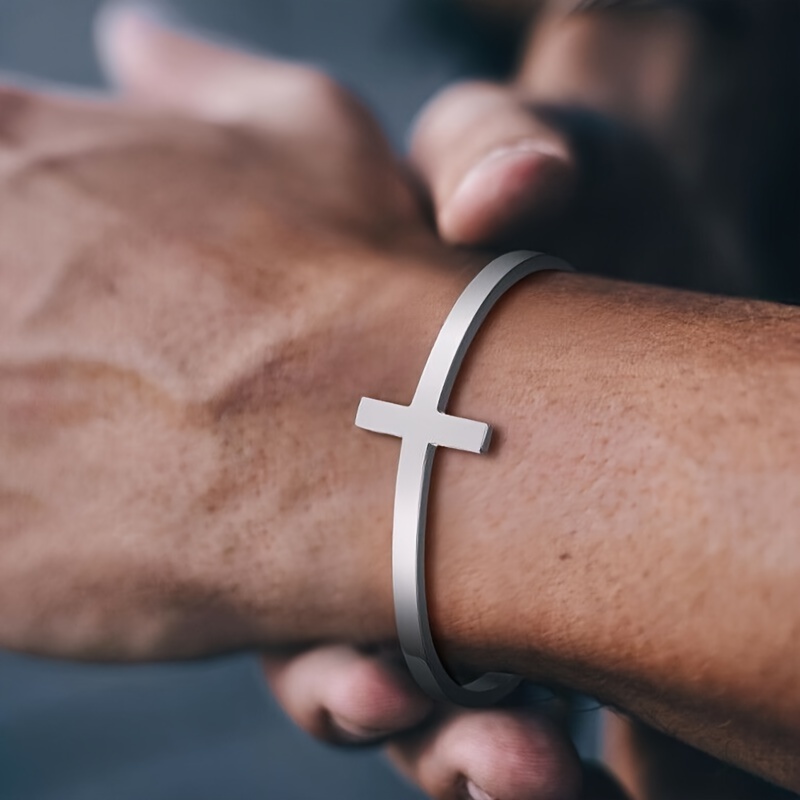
{"points": [[508, 754], [159, 65], [489, 163], [339, 695]]}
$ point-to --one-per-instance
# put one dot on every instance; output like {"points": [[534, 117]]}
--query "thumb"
{"points": [[570, 181], [489, 164]]}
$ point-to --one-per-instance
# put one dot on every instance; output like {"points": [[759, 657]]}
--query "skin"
{"points": [[501, 173], [156, 639], [652, 512]]}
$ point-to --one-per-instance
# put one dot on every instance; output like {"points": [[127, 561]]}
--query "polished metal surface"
{"points": [[423, 426]]}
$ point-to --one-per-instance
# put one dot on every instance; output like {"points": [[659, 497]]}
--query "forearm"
{"points": [[634, 533]]}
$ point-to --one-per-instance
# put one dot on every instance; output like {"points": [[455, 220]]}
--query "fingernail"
{"points": [[357, 734], [476, 793], [519, 151], [508, 182]]}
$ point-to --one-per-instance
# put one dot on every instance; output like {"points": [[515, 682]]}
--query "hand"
{"points": [[190, 312], [189, 317]]}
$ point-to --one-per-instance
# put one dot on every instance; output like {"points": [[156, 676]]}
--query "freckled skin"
{"points": [[635, 453], [185, 331]]}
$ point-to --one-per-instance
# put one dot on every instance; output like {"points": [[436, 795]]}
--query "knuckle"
{"points": [[318, 89]]}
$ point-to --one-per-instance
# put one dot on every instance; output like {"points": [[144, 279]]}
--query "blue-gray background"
{"points": [[209, 730]]}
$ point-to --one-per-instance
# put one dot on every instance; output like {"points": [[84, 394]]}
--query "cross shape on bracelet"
{"points": [[420, 427]]}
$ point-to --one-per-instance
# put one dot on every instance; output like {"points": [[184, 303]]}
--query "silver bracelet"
{"points": [[423, 426]]}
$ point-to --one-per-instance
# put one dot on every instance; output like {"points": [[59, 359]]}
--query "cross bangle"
{"points": [[423, 426]]}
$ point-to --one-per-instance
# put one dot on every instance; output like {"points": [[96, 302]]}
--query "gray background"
{"points": [[395, 53], [209, 730]]}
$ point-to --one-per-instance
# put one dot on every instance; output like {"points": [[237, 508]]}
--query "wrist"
{"points": [[496, 385], [402, 325], [503, 528], [342, 485]]}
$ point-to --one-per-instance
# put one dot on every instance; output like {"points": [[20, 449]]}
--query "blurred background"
{"points": [[395, 53], [210, 730]]}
